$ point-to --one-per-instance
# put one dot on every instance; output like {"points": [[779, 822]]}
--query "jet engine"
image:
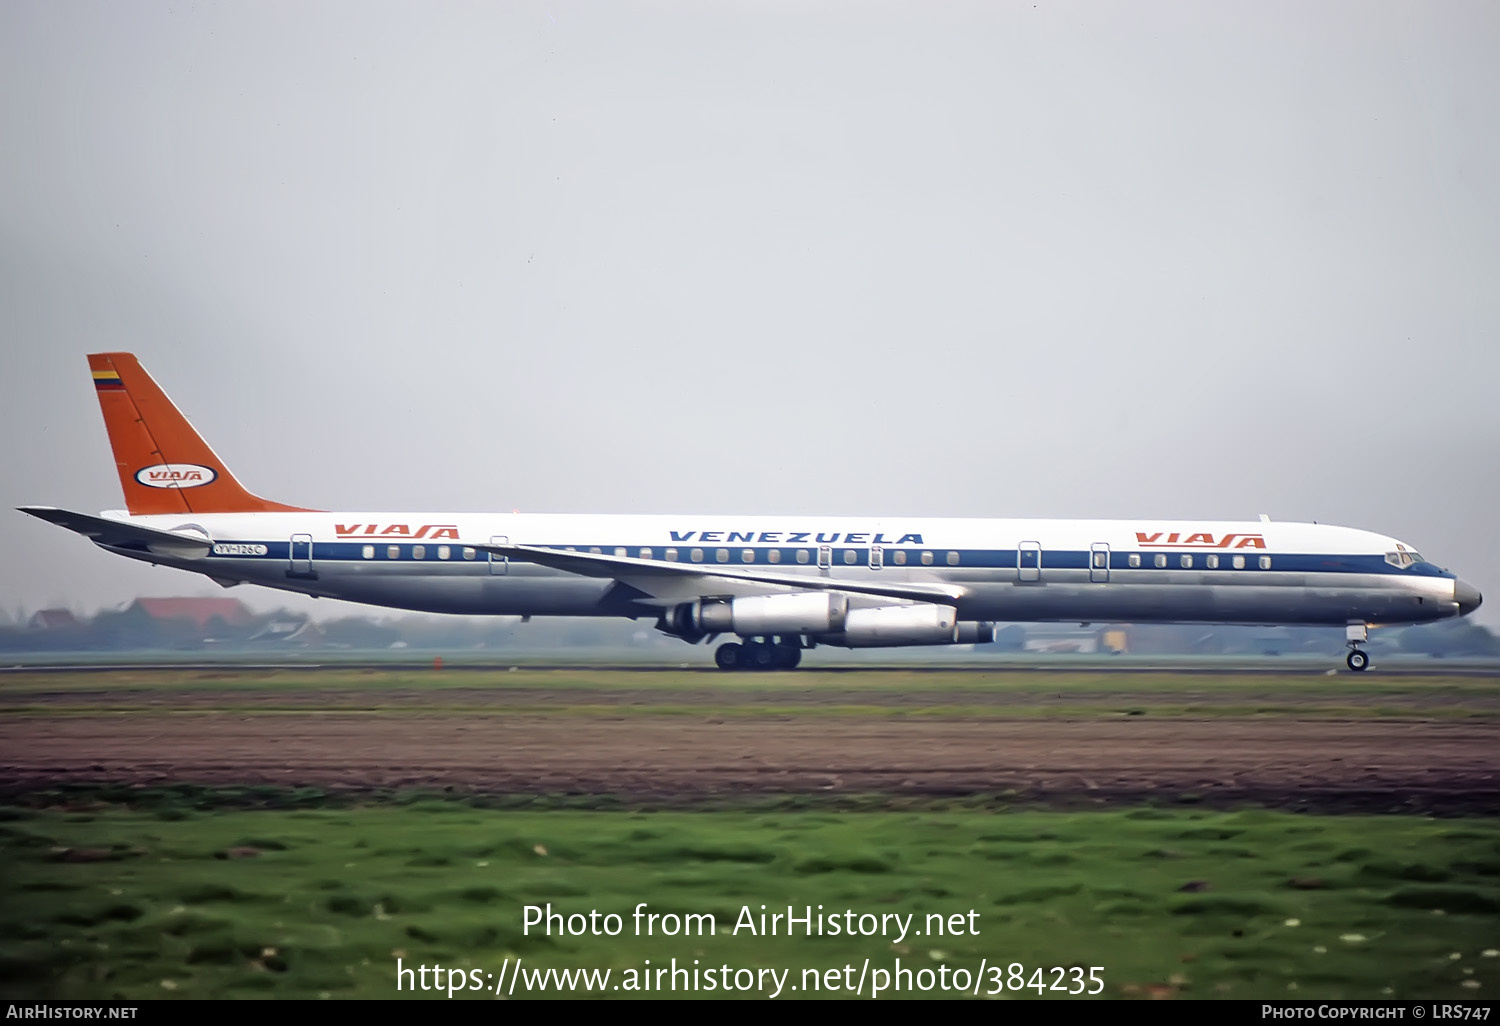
{"points": [[881, 626], [754, 615], [975, 632], [917, 624]]}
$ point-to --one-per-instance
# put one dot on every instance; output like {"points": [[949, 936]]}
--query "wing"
{"points": [[121, 535], [668, 583]]}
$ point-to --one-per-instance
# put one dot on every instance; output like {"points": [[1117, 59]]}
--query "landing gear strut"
{"points": [[1355, 635], [760, 654]]}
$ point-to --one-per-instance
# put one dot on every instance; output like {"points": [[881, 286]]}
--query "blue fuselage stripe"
{"points": [[997, 559]]}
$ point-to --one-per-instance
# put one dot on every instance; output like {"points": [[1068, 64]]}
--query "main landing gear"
{"points": [[759, 654], [1355, 635]]}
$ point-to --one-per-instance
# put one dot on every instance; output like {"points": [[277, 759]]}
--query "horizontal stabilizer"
{"points": [[640, 572], [122, 535]]}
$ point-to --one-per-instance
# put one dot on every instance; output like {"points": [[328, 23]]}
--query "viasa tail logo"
{"points": [[1198, 540], [175, 475], [396, 531]]}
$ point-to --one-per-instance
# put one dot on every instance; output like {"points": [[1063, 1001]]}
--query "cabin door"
{"points": [[301, 556], [1029, 561], [1099, 563], [499, 565]]}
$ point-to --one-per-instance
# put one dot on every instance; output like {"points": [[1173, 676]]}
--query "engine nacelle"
{"points": [[797, 613], [975, 632], [890, 626]]}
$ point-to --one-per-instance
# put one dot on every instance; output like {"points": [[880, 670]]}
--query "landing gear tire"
{"points": [[728, 656], [1357, 660], [759, 656]]}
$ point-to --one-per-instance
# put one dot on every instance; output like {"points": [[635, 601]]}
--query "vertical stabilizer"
{"points": [[164, 465]]}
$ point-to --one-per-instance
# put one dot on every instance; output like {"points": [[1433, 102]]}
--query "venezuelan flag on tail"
{"points": [[108, 380], [164, 465]]}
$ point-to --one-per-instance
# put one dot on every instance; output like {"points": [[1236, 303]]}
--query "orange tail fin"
{"points": [[165, 466]]}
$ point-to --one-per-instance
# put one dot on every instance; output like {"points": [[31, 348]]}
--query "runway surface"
{"points": [[1206, 667], [1408, 744]]}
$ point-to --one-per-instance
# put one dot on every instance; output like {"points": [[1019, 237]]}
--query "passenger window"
{"points": [[671, 555], [1239, 562], [393, 552], [849, 556], [596, 550], [468, 552], [1099, 560], [926, 559], [645, 553], [444, 552], [697, 555], [953, 559], [1161, 559], [1135, 560], [419, 552], [620, 550], [1212, 561], [747, 555], [900, 557], [1265, 562], [774, 556], [722, 555], [1186, 561], [802, 556], [369, 552]]}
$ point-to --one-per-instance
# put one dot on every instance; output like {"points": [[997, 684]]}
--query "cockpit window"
{"points": [[1403, 557]]}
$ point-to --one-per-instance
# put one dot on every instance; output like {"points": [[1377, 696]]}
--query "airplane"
{"points": [[780, 585]]}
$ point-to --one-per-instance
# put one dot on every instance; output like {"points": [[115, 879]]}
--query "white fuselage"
{"points": [[1255, 572]]}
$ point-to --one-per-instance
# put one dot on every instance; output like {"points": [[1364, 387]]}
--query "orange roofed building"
{"points": [[199, 610]]}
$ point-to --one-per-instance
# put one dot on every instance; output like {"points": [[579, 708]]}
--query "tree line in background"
{"points": [[204, 625]]}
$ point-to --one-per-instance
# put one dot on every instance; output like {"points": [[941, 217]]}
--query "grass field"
{"points": [[415, 815], [195, 893]]}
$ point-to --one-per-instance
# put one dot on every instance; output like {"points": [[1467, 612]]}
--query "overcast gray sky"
{"points": [[1076, 260]]}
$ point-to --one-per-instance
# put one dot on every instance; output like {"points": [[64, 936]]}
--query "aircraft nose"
{"points": [[1467, 596]]}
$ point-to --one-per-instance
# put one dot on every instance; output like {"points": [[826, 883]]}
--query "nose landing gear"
{"points": [[1355, 635]]}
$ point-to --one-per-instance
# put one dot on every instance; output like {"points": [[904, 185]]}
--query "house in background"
{"points": [[1054, 638], [285, 628], [210, 615], [53, 620]]}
